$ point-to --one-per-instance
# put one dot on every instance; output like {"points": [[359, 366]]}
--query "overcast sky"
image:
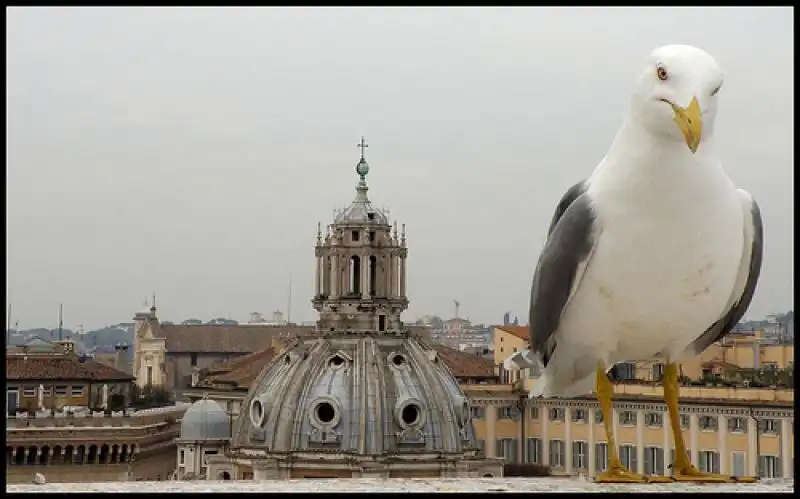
{"points": [[191, 152]]}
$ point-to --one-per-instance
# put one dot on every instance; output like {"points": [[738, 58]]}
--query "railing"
{"points": [[131, 417]]}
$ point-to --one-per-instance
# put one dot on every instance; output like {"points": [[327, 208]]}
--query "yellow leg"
{"points": [[682, 469], [616, 472]]}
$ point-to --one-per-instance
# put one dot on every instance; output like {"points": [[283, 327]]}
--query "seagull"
{"points": [[655, 256]]}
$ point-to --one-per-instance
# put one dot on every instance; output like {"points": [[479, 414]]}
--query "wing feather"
{"points": [[570, 242]]}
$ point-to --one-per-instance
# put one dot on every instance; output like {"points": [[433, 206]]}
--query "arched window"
{"points": [[373, 271], [355, 274]]}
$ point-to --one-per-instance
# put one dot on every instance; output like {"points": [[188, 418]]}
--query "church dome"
{"points": [[359, 395], [205, 420]]}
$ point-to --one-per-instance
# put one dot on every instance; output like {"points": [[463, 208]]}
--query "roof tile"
{"points": [[61, 367]]}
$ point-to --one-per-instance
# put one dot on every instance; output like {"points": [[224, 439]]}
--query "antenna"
{"points": [[60, 319], [8, 326], [289, 304]]}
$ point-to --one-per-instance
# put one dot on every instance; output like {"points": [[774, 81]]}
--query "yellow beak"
{"points": [[690, 123]]}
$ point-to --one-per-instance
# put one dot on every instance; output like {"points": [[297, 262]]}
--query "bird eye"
{"points": [[716, 90], [662, 73]]}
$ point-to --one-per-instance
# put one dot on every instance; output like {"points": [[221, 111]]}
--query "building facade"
{"points": [[728, 429], [60, 420]]}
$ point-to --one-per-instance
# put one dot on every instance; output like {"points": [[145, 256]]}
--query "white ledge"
{"points": [[533, 484]]}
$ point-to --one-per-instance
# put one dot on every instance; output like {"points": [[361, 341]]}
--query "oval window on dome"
{"points": [[411, 414], [257, 412], [399, 359]]}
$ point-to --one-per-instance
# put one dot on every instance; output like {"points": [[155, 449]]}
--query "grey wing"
{"points": [[746, 280], [563, 260]]}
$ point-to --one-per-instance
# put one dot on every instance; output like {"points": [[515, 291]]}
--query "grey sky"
{"points": [[191, 152]]}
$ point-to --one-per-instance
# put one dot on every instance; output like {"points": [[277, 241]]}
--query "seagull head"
{"points": [[675, 97]]}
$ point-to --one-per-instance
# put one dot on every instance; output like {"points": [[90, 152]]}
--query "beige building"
{"points": [[741, 431], [60, 421], [47, 376]]}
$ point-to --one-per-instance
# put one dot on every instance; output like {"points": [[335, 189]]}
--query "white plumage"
{"points": [[672, 237]]}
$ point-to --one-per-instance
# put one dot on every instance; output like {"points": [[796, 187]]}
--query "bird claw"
{"points": [[620, 475], [692, 474]]}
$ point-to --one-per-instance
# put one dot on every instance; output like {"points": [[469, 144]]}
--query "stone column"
{"points": [[722, 441], [318, 271], [392, 275], [786, 447], [640, 441], [590, 454], [403, 276], [667, 427], [545, 416], [490, 446], [752, 446], [334, 276], [365, 276], [694, 423], [568, 440], [348, 270]]}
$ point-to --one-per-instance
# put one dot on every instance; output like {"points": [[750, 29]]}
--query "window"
{"points": [[534, 451], [737, 425], [514, 350], [481, 444], [506, 413], [580, 452], [601, 457], [193, 358], [654, 419], [769, 426], [76, 390], [556, 453], [355, 236], [507, 449], [708, 461], [627, 418], [737, 463], [768, 467], [579, 415], [653, 461], [182, 458], [534, 412], [627, 455], [556, 414], [149, 375], [709, 423], [372, 235], [478, 412], [686, 422], [28, 391], [48, 391], [623, 371], [658, 371], [598, 416], [61, 390]]}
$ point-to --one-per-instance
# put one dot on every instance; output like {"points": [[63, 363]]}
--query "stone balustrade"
{"points": [[549, 484]]}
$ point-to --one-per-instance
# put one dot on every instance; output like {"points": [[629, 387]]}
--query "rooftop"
{"points": [[20, 367], [518, 331], [548, 484]]}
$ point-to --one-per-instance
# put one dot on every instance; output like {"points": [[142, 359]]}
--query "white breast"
{"points": [[662, 272]]}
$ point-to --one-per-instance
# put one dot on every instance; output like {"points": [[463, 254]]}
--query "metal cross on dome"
{"points": [[363, 145]]}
